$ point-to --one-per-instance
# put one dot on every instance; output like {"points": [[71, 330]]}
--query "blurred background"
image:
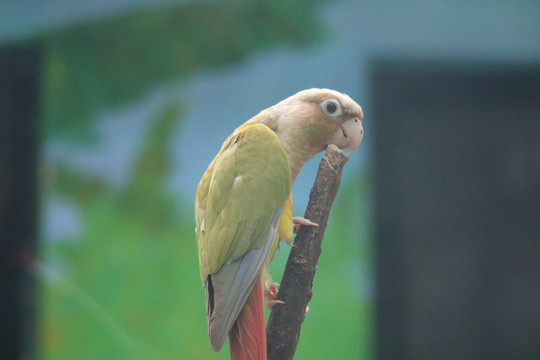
{"points": [[110, 112]]}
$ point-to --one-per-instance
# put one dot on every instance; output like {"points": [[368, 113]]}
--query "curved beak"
{"points": [[348, 135]]}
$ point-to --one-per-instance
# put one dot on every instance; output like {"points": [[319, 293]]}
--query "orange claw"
{"points": [[270, 293]]}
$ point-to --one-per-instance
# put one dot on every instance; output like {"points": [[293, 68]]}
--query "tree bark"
{"points": [[283, 328]]}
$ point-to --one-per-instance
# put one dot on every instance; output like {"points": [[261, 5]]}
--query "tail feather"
{"points": [[247, 337]]}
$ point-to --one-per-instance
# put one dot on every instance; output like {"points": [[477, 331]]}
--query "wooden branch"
{"points": [[283, 329]]}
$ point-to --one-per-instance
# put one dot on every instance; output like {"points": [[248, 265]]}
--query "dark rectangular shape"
{"points": [[19, 143], [457, 176]]}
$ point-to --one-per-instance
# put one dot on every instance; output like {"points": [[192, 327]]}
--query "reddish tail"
{"points": [[247, 337]]}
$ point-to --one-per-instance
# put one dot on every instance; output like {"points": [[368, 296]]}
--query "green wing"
{"points": [[238, 203], [245, 184]]}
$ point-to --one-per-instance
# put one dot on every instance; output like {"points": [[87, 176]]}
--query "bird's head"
{"points": [[337, 116], [308, 121], [319, 117]]}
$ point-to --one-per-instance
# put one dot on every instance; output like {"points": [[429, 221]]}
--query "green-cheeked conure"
{"points": [[243, 207]]}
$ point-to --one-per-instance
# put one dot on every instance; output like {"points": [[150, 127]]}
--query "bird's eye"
{"points": [[331, 107]]}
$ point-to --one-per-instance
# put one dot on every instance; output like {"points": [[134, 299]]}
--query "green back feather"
{"points": [[248, 180]]}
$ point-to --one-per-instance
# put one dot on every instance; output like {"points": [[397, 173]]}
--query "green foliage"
{"points": [[125, 290], [96, 65]]}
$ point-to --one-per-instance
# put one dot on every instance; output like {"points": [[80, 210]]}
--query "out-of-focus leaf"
{"points": [[100, 64]]}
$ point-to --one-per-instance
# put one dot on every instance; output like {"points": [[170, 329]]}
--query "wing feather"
{"points": [[237, 209], [231, 287], [236, 198]]}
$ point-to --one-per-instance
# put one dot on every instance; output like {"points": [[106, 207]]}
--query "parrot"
{"points": [[243, 208]]}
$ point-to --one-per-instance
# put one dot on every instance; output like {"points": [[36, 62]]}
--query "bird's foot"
{"points": [[270, 293], [299, 221]]}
